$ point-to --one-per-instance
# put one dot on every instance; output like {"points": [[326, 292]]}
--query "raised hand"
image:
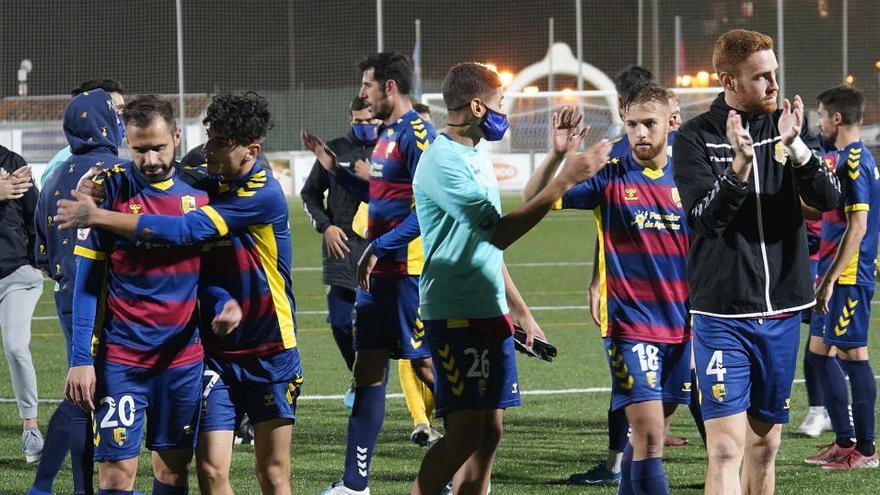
{"points": [[325, 157], [738, 137], [579, 167], [565, 125], [791, 119]]}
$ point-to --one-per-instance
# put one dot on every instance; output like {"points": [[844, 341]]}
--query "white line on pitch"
{"points": [[562, 391]]}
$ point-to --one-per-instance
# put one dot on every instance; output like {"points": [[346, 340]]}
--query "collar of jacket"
{"points": [[721, 108]]}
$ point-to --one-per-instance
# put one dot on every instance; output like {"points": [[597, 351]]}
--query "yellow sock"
{"points": [[412, 392], [428, 397]]}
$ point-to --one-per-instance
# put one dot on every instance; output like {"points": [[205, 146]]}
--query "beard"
{"points": [[648, 153], [382, 109], [762, 105], [155, 172]]}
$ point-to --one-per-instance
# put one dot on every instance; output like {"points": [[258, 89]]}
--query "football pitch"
{"points": [[558, 430]]}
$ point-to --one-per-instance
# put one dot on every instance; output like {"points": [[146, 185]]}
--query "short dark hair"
{"points": [[421, 108], [246, 118], [466, 81], [108, 85], [845, 100], [357, 104], [141, 110], [630, 76], [390, 66], [644, 93]]}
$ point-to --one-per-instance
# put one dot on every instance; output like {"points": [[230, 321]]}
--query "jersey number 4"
{"points": [[716, 366]]}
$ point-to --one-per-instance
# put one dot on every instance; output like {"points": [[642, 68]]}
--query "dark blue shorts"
{"points": [[746, 365], [387, 317], [165, 401], [849, 316], [474, 364], [229, 392], [643, 371]]}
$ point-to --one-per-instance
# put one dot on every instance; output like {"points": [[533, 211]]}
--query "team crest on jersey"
{"points": [[779, 152], [136, 208], [631, 194], [120, 435], [676, 198], [651, 376], [187, 204], [718, 392], [82, 234]]}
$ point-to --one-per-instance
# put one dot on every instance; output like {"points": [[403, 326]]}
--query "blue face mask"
{"points": [[366, 132], [494, 125]]}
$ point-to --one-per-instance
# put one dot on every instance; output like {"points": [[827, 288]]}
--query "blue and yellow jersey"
{"points": [[146, 316], [860, 183], [643, 245], [246, 223], [394, 161]]}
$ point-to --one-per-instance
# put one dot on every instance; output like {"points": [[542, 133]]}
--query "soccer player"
{"points": [[254, 367], [642, 252], [342, 246], [140, 300], [845, 291], [465, 289], [94, 142], [386, 311], [741, 169]]}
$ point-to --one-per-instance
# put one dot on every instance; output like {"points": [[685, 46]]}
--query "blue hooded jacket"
{"points": [[90, 125]]}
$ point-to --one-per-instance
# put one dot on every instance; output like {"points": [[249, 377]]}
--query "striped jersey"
{"points": [[643, 244], [245, 227], [394, 160], [860, 184], [149, 306]]}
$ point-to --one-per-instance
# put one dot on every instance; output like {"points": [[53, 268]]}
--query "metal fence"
{"points": [[302, 55]]}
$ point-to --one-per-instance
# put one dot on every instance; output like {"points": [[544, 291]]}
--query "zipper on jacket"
{"points": [[761, 226]]}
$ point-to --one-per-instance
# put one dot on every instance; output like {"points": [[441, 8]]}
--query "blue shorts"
{"points": [[166, 400], [387, 317], [229, 392], [817, 323], [474, 364], [746, 365], [643, 371], [849, 316]]}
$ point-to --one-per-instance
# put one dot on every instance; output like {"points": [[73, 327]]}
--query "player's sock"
{"points": [[864, 399], [625, 487], [647, 477], [815, 393], [412, 392], [695, 407], [832, 379], [364, 425], [81, 450], [56, 446], [618, 429], [160, 488], [107, 491]]}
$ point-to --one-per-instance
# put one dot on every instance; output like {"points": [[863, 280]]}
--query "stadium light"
{"points": [[702, 79], [877, 65], [567, 95], [531, 89], [506, 77], [686, 81], [714, 77], [850, 79]]}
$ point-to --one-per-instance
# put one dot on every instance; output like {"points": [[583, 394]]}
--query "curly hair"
{"points": [[246, 118]]}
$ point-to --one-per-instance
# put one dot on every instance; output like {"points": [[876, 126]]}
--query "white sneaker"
{"points": [[32, 444], [338, 488], [815, 422]]}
